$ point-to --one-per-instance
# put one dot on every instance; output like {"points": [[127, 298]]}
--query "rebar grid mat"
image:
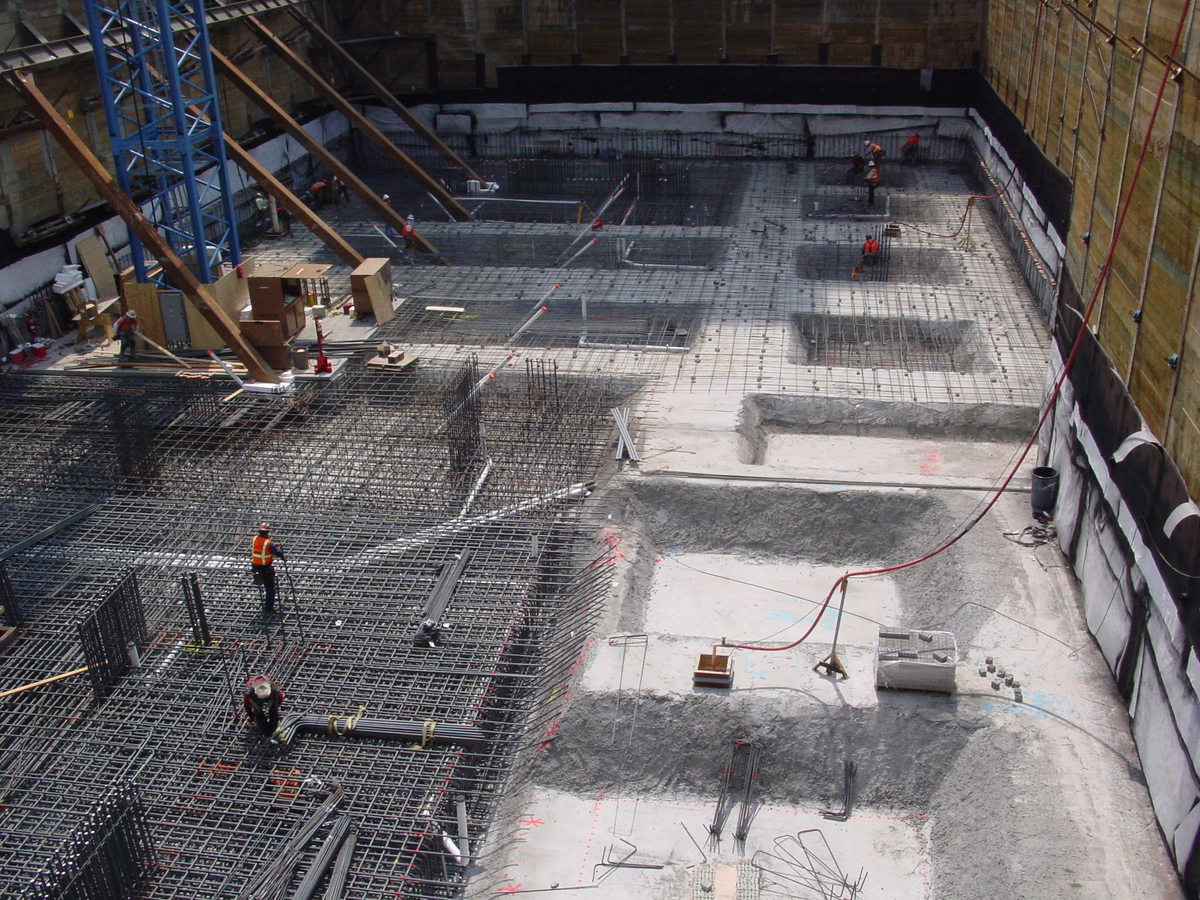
{"points": [[947, 317], [365, 493], [371, 495]]}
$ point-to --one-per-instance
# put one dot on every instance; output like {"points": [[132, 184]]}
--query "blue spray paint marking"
{"points": [[1037, 705], [757, 673]]}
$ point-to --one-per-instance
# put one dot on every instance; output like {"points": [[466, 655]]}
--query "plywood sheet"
{"points": [[231, 293], [371, 283], [144, 298], [262, 332], [97, 267]]}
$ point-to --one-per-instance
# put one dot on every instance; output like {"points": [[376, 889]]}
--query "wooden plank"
{"points": [[94, 259], [725, 883], [144, 298], [372, 286]]}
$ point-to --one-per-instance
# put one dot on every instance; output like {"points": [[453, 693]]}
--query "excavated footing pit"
{"points": [[633, 770]]}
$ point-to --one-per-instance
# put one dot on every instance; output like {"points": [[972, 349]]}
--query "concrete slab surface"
{"points": [[564, 840]]}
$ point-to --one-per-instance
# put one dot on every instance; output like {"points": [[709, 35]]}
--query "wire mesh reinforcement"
{"points": [[371, 500], [372, 494]]}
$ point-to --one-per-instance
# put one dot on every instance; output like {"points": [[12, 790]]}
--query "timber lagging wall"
{"points": [[1086, 91], [942, 34]]}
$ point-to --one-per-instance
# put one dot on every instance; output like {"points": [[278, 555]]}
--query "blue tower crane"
{"points": [[160, 102]]}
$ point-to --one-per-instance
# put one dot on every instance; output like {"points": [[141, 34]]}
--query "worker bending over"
{"points": [[262, 701], [870, 252], [908, 153], [263, 551]]}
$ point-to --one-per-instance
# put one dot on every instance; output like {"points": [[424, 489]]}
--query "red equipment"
{"points": [[322, 365]]}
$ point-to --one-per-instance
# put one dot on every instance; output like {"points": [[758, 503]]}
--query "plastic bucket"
{"points": [[1045, 489], [39, 351]]}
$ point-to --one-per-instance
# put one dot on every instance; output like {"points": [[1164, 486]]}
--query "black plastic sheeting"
{"points": [[1049, 184], [853, 85], [1151, 485]]}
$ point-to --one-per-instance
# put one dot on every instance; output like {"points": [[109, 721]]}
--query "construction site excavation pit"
{"points": [[795, 783]]}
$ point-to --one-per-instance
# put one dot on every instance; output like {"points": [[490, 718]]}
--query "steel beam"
{"points": [[69, 49], [361, 122], [281, 118], [380, 90], [106, 185]]}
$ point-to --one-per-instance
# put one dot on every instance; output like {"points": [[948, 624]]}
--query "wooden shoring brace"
{"points": [[379, 90], [297, 207], [280, 117], [361, 122], [175, 269]]}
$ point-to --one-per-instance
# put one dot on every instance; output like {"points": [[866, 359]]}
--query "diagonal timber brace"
{"points": [[280, 117], [385, 96], [175, 268], [293, 204], [364, 125]]}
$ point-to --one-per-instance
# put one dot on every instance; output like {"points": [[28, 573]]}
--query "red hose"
{"points": [[1048, 406]]}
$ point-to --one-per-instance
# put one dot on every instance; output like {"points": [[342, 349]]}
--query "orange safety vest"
{"points": [[912, 141], [870, 245], [260, 551], [407, 229], [872, 176]]}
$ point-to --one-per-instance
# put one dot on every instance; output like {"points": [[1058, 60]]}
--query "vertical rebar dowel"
{"points": [[8, 599], [194, 602]]}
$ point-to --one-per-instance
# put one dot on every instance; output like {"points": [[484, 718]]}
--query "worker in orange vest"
{"points": [[874, 151], [409, 232], [908, 153], [870, 251], [872, 182], [263, 551], [126, 327], [262, 700]]}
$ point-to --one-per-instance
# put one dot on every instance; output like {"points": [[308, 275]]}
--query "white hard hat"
{"points": [[262, 689], [387, 197], [263, 526], [132, 313], [411, 218]]}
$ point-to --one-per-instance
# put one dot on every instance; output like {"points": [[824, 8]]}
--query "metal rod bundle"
{"points": [[426, 732]]}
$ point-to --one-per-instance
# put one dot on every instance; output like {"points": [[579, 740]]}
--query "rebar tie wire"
{"points": [[427, 730], [351, 722]]}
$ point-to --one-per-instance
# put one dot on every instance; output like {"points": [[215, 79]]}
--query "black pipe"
{"points": [[427, 731]]}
